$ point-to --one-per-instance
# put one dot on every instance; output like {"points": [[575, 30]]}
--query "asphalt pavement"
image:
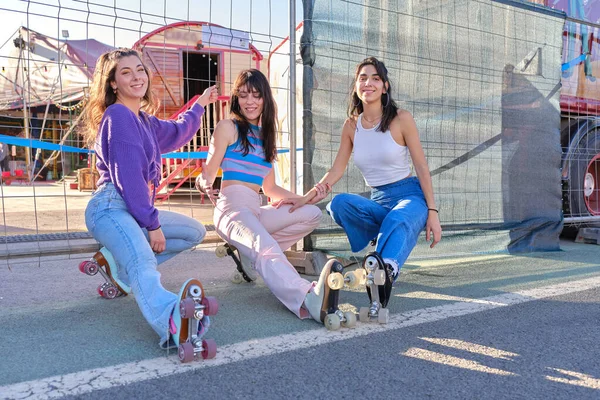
{"points": [[493, 326]]}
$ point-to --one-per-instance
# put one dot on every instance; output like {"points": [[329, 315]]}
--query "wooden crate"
{"points": [[87, 178]]}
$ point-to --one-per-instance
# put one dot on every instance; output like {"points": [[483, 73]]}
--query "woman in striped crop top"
{"points": [[244, 148], [381, 136], [121, 216]]}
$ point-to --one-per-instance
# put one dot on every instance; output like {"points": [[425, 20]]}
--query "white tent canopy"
{"points": [[42, 70]]}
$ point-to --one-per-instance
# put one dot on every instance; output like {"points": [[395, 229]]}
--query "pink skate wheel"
{"points": [[187, 307], [111, 292], [89, 267], [211, 305], [186, 352], [101, 290], [209, 349]]}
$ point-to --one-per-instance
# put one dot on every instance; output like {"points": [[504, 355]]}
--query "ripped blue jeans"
{"points": [[395, 215], [111, 224]]}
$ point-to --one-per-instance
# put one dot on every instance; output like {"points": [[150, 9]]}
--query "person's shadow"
{"points": [[531, 159]]}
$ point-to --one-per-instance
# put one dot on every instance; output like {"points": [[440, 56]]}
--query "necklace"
{"points": [[373, 122]]}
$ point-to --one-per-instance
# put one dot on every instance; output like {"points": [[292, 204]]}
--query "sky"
{"points": [[123, 22]]}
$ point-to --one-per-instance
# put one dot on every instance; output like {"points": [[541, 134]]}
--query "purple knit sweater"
{"points": [[128, 149]]}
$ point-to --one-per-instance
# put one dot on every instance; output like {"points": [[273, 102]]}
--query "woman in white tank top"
{"points": [[381, 136]]}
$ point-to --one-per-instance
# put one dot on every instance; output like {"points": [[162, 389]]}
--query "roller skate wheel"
{"points": [[379, 277], [362, 276], [211, 305], [237, 278], [350, 319], [332, 322], [186, 352], [221, 251], [209, 349], [88, 267], [335, 281], [187, 308], [363, 314], [352, 279], [111, 291], [384, 316], [101, 290]]}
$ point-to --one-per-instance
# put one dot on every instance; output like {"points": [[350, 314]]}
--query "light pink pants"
{"points": [[262, 234]]}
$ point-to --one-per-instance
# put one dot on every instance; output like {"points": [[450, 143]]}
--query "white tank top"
{"points": [[378, 157]]}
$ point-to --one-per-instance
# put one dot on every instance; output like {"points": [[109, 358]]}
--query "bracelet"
{"points": [[433, 209], [152, 230]]}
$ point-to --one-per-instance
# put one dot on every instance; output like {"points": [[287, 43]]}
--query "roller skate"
{"points": [[185, 327], [322, 303], [379, 280], [244, 271], [104, 263]]}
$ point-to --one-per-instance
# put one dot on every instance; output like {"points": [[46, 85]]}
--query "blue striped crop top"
{"points": [[252, 167]]}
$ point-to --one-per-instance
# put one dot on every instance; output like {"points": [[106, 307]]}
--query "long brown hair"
{"points": [[390, 109], [253, 79], [102, 94]]}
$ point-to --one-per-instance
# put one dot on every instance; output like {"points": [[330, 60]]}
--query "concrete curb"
{"points": [[9, 251]]}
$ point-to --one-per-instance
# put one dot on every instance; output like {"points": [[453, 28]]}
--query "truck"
{"points": [[580, 109]]}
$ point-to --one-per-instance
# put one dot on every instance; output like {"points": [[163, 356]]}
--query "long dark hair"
{"points": [[390, 108], [253, 79]]}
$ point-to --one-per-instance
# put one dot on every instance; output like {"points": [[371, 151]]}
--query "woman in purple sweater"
{"points": [[121, 214]]}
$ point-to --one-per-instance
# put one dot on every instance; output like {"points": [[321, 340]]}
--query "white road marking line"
{"points": [[78, 383]]}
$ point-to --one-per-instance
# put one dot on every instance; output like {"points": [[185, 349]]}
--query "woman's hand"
{"points": [[321, 190], [210, 95], [433, 228], [295, 202], [158, 243], [207, 188]]}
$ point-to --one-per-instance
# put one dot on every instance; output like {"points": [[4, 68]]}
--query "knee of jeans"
{"points": [[200, 233], [338, 203], [334, 205], [339, 200]]}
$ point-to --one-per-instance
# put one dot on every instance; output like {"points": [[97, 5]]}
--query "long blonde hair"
{"points": [[102, 94]]}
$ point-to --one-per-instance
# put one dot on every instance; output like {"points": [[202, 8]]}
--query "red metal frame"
{"points": [[146, 37], [300, 25], [579, 105], [164, 196], [182, 164]]}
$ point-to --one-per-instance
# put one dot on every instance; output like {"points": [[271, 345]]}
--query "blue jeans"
{"points": [[111, 224], [395, 215]]}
